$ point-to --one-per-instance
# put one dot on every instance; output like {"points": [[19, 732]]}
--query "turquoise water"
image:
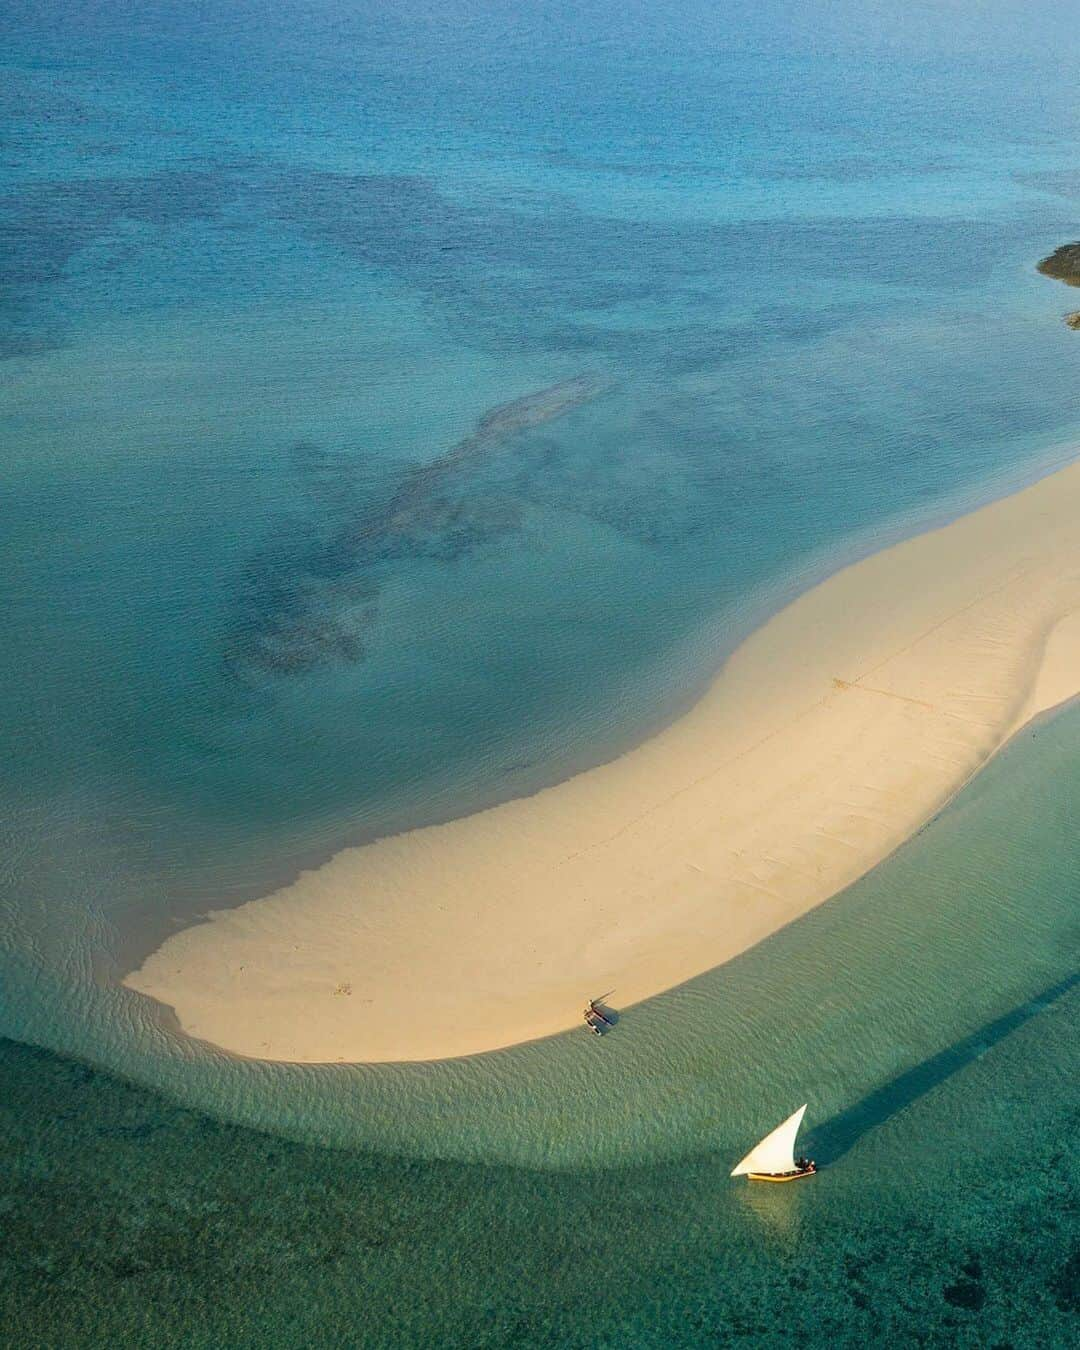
{"points": [[274, 580]]}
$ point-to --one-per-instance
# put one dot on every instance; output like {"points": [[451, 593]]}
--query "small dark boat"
{"points": [[596, 1011], [596, 1020]]}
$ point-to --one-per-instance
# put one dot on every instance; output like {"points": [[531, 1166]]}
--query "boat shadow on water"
{"points": [[830, 1140]]}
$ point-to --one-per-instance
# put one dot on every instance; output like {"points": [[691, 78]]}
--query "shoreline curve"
{"points": [[830, 736]]}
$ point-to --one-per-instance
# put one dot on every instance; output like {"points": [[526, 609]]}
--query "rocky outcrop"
{"points": [[1063, 264]]}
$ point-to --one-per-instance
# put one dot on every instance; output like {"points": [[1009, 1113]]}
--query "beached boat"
{"points": [[773, 1159], [595, 1019]]}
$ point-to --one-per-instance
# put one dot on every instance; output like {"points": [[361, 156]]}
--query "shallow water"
{"points": [[265, 268], [945, 1124]]}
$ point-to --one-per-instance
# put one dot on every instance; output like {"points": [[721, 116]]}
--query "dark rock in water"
{"points": [[965, 1294], [1063, 264]]}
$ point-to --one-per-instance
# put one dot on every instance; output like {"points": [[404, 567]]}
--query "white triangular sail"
{"points": [[776, 1152]]}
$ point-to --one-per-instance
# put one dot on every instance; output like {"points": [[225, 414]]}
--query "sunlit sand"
{"points": [[828, 738]]}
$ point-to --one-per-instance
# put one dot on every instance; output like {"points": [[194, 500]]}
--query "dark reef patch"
{"points": [[965, 1294], [45, 226], [309, 596], [560, 267], [1065, 1286], [428, 516]]}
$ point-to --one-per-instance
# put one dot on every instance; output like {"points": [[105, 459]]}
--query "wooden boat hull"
{"points": [[780, 1176]]}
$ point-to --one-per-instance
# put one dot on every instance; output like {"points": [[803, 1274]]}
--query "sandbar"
{"points": [[829, 737]]}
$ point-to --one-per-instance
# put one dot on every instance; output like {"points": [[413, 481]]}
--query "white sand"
{"points": [[830, 736]]}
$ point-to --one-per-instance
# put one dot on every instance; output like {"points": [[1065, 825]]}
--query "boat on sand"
{"points": [[596, 1019]]}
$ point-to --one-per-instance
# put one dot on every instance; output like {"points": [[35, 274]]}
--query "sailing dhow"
{"points": [[774, 1158]]}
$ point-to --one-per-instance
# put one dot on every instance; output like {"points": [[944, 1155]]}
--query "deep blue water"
{"points": [[271, 581]]}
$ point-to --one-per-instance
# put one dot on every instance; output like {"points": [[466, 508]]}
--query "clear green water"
{"points": [[945, 1105]]}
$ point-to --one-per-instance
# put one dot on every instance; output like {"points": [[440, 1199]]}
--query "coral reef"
{"points": [[309, 596]]}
